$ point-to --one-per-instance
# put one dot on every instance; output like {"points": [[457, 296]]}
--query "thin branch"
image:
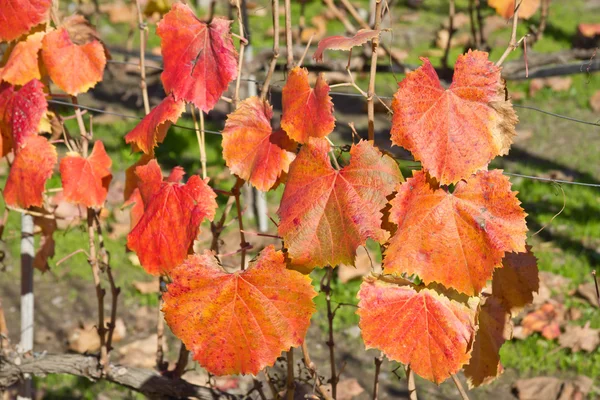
{"points": [[306, 50], [243, 244], [373, 72], [378, 361], [459, 386], [143, 35], [290, 375], [326, 288], [451, 14], [161, 365], [267, 82], [512, 44], [200, 136], [236, 95], [65, 258], [289, 44], [474, 31], [412, 388], [182, 361], [313, 371]]}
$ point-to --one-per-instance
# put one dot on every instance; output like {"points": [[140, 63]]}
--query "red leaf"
{"points": [[73, 68], [251, 149], [23, 65], [31, 169], [21, 113], [344, 43], [238, 323], [418, 327], [17, 17], [131, 179], [306, 112], [456, 239], [454, 132], [171, 220], [325, 213], [85, 181], [153, 128], [199, 59]]}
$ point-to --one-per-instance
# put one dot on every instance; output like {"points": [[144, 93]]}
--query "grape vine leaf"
{"points": [[131, 179], [172, 216], [23, 64], [457, 131], [416, 326], [199, 58], [21, 113], [494, 328], [31, 169], [85, 180], [545, 320], [251, 149], [17, 17], [153, 128], [327, 213], [74, 68], [515, 282], [506, 8], [306, 112], [238, 323], [344, 43], [456, 239]]}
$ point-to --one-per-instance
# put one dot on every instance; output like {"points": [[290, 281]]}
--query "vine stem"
{"points": [[313, 371], [326, 288], [378, 362], [182, 361], [236, 95], [143, 85], [267, 81], [451, 12], [371, 89], [412, 388], [160, 329], [238, 205], [459, 386], [290, 375], [512, 44], [200, 136], [289, 44]]}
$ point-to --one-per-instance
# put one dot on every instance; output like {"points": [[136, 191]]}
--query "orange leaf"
{"points": [[22, 65], [73, 68], [494, 328], [199, 59], [419, 327], [31, 169], [21, 113], [506, 8], [514, 284], [172, 216], [344, 43], [153, 128], [131, 179], [19, 16], [456, 239], [325, 213], [85, 181], [306, 112], [454, 132], [238, 323], [251, 149]]}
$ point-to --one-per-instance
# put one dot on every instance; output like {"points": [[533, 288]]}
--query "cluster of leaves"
{"points": [[70, 56], [446, 232]]}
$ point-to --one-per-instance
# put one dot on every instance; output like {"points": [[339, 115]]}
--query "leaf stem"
{"points": [[143, 37], [412, 388], [459, 386], [378, 361]]}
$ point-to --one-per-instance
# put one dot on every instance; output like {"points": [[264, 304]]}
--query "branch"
{"points": [[371, 89], [512, 44], [141, 380]]}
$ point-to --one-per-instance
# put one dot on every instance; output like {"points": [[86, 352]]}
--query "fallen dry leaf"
{"points": [[141, 353], [540, 388], [545, 320], [556, 83], [84, 338], [588, 292], [579, 338]]}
